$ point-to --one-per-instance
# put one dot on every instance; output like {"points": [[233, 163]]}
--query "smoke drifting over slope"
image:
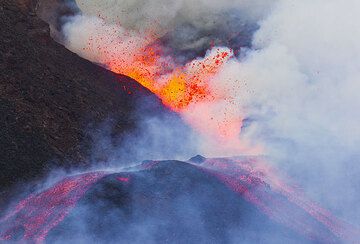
{"points": [[187, 25], [285, 84], [219, 200]]}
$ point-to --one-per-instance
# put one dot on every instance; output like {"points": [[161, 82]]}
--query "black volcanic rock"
{"points": [[197, 159], [48, 96]]}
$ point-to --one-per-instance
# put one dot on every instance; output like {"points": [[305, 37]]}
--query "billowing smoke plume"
{"points": [[186, 25], [175, 49], [272, 77]]}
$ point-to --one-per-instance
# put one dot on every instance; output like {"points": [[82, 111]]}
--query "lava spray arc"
{"points": [[188, 85]]}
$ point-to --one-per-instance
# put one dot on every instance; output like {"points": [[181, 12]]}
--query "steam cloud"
{"points": [[290, 91]]}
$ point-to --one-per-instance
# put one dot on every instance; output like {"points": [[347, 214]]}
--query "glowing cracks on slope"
{"points": [[123, 179], [35, 216], [259, 184]]}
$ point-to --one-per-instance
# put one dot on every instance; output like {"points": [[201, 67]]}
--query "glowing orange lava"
{"points": [[178, 87], [188, 89]]}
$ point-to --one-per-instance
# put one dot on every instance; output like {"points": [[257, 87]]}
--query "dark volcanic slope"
{"points": [[170, 202], [48, 95], [213, 201]]}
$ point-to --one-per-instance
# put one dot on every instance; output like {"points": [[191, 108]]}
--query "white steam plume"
{"points": [[294, 90], [165, 14]]}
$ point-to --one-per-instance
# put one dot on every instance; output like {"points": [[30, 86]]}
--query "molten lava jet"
{"points": [[189, 88]]}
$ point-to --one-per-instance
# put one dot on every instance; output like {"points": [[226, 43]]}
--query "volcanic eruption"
{"points": [[250, 78]]}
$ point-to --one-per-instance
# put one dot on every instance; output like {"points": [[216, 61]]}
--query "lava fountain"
{"points": [[188, 87]]}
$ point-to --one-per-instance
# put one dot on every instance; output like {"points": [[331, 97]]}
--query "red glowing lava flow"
{"points": [[250, 177], [36, 215], [123, 179], [258, 183]]}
